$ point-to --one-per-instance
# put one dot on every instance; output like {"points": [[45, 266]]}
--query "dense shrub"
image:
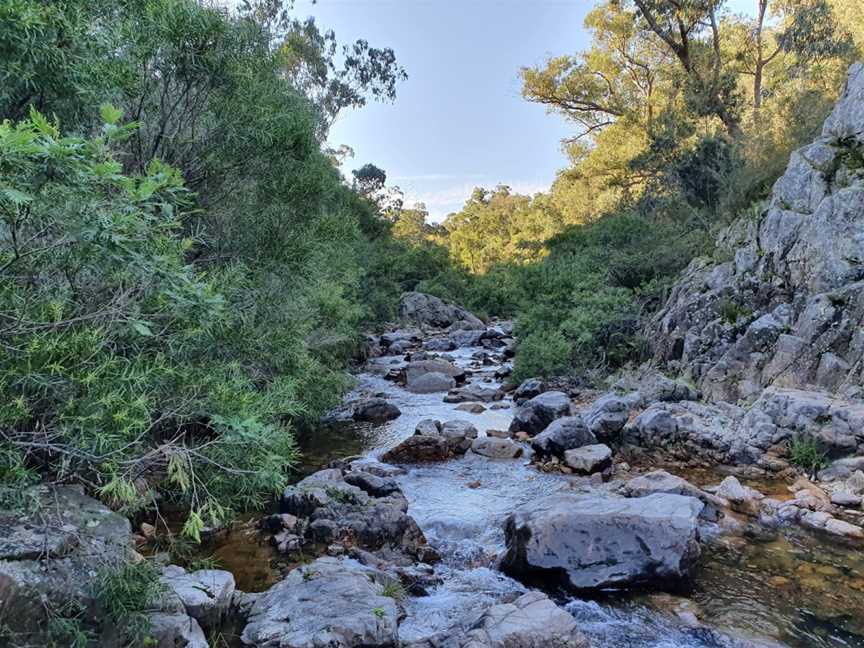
{"points": [[182, 276]]}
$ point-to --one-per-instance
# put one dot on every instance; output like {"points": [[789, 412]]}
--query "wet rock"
{"points": [[742, 499], [589, 459], [531, 621], [471, 408], [330, 602], [561, 435], [372, 484], [660, 481], [536, 414], [175, 630], [439, 344], [419, 448], [206, 594], [336, 511], [417, 369], [459, 434], [430, 383], [495, 448], [596, 542], [376, 410], [474, 392], [376, 468], [528, 389], [463, 339], [428, 310], [407, 337], [429, 427]]}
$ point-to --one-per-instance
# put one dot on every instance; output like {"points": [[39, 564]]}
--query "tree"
{"points": [[802, 32], [619, 77], [690, 30], [410, 225]]}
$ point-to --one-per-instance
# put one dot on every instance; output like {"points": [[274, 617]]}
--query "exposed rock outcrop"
{"points": [[787, 310]]}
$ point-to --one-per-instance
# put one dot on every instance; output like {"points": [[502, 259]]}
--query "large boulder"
{"points": [[206, 594], [430, 383], [433, 441], [331, 602], [600, 542], [608, 415], [420, 308], [660, 481], [496, 448], [561, 435], [51, 555], [376, 410], [535, 414], [531, 621], [419, 448], [589, 459], [785, 309], [418, 368], [370, 512]]}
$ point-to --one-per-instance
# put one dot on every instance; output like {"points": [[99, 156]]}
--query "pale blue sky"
{"points": [[459, 121]]}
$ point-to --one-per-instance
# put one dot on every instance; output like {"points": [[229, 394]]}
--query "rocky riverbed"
{"points": [[460, 540], [475, 514]]}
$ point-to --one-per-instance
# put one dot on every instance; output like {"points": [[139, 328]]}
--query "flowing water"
{"points": [[794, 590]]}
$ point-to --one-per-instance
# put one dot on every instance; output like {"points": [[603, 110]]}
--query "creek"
{"points": [[793, 589]]}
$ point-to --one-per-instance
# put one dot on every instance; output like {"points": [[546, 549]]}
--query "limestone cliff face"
{"points": [[788, 309]]}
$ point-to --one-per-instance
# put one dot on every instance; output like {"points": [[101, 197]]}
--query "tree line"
{"points": [[684, 114]]}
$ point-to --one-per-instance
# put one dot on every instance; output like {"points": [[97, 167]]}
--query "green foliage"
{"points": [[125, 593], [177, 288], [395, 590], [730, 312], [805, 453], [66, 628]]}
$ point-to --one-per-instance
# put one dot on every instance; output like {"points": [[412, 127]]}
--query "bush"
{"points": [[174, 292], [110, 373], [124, 594], [805, 453]]}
